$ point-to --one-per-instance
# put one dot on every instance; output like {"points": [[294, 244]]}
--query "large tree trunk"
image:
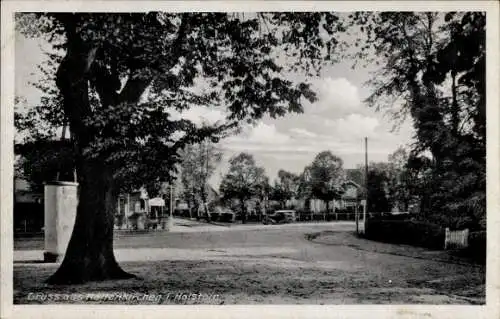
{"points": [[90, 256]]}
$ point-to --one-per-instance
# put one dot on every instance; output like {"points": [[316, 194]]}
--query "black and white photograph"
{"points": [[251, 155]]}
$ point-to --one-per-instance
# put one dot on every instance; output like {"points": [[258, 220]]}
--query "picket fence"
{"points": [[456, 238]]}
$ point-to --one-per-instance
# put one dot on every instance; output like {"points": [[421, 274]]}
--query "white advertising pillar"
{"points": [[61, 200]]}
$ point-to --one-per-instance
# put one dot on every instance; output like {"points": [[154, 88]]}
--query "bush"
{"points": [[214, 216], [407, 232], [226, 217], [477, 246], [253, 218], [304, 215]]}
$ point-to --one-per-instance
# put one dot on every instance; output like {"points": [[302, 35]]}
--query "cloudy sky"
{"points": [[338, 121]]}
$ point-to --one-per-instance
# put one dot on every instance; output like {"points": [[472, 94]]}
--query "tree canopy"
{"points": [[121, 79], [326, 176], [199, 162], [433, 64], [285, 187], [244, 180]]}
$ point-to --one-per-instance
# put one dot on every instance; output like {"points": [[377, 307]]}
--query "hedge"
{"points": [[409, 232], [477, 246], [226, 217]]}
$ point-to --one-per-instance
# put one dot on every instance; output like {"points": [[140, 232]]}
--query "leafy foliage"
{"points": [[325, 177], [141, 68], [123, 77], [244, 180], [377, 191], [285, 187], [433, 65], [43, 161], [199, 162]]}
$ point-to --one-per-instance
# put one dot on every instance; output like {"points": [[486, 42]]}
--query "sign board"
{"points": [[157, 202]]}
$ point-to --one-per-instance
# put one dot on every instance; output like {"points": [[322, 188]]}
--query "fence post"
{"points": [[466, 238], [446, 237]]}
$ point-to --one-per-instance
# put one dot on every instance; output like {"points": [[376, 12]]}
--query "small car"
{"points": [[280, 217]]}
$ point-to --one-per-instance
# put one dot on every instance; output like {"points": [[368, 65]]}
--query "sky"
{"points": [[338, 121]]}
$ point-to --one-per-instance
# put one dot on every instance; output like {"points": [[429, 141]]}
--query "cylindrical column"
{"points": [[61, 200]]}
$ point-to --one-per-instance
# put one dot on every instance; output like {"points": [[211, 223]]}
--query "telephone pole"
{"points": [[366, 181]]}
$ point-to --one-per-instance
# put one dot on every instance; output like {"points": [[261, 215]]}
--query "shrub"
{"points": [[226, 217], [477, 246], [407, 232], [304, 215], [214, 216], [253, 218]]}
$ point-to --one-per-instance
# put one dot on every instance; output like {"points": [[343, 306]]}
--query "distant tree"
{"points": [[243, 181], [285, 187], [199, 162], [326, 177], [378, 187], [388, 182], [400, 181], [44, 161]]}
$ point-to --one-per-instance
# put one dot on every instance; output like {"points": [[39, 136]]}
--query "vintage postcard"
{"points": [[256, 158]]}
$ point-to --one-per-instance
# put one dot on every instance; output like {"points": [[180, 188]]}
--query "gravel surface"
{"points": [[284, 265]]}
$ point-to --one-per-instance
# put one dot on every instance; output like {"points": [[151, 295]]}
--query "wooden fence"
{"points": [[456, 238]]}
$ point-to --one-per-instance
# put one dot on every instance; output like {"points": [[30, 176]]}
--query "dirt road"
{"points": [[273, 265]]}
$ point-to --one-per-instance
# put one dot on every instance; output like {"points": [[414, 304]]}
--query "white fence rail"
{"points": [[456, 238]]}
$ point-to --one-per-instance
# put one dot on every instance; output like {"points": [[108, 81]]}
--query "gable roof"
{"points": [[352, 183], [355, 175]]}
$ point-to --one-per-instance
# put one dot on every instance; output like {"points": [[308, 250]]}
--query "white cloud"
{"points": [[261, 134], [300, 132], [353, 126], [267, 134], [335, 96], [199, 114]]}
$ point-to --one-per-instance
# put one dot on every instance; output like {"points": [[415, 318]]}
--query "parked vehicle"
{"points": [[226, 215], [280, 217]]}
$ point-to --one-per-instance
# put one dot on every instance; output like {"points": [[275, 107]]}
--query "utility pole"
{"points": [[206, 182], [366, 182]]}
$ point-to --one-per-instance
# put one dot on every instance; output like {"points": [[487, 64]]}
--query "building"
{"points": [[132, 210], [349, 201], [28, 207]]}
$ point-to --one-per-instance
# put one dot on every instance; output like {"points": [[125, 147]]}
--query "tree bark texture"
{"points": [[90, 256], [90, 251]]}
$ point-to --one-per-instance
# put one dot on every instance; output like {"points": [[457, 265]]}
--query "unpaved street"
{"points": [[272, 265]]}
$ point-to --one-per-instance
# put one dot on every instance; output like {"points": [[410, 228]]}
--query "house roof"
{"points": [[355, 175], [352, 183]]}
